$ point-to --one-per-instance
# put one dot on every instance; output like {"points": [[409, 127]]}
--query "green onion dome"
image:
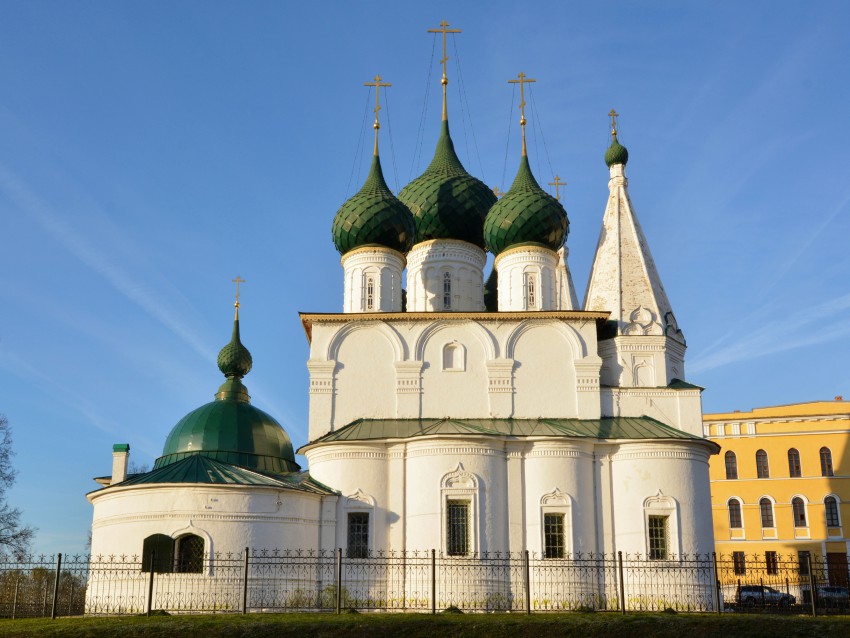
{"points": [[491, 292], [616, 153], [526, 214], [373, 216], [446, 201], [230, 429]]}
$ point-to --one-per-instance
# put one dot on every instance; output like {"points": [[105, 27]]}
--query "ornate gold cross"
{"points": [[522, 81], [557, 184], [613, 115], [445, 80], [377, 84], [237, 281]]}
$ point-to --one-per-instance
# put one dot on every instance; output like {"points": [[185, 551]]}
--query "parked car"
{"points": [[760, 594], [830, 596]]}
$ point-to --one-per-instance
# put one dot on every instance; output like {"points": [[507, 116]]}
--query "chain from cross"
{"points": [[237, 281], [377, 84], [613, 115], [557, 184], [444, 30]]}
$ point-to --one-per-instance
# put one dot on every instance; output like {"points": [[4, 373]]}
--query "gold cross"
{"points": [[445, 80], [557, 183], [377, 84], [497, 192], [613, 115], [522, 81], [237, 281]]}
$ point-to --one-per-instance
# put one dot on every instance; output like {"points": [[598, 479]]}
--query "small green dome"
{"points": [[373, 216], [446, 201], [526, 214], [616, 153], [230, 429], [491, 292]]}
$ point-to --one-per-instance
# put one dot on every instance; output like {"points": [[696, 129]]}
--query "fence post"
{"points": [[717, 596], [812, 583], [56, 585], [339, 580], [622, 584], [527, 585], [71, 597], [15, 600], [245, 585], [433, 581], [150, 584]]}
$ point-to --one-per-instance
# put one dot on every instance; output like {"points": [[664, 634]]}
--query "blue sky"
{"points": [[150, 152]]}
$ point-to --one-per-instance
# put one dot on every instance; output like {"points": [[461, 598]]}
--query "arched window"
{"points": [[831, 507], [762, 468], [530, 291], [735, 521], [190, 554], [731, 465], [766, 509], [799, 508], [825, 462], [370, 293], [447, 291], [160, 548], [794, 468]]}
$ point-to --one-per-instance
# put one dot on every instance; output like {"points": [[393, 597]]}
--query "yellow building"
{"points": [[780, 487]]}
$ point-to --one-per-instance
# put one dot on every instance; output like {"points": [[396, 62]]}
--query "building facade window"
{"points": [[553, 535], [739, 563], [735, 520], [370, 293], [659, 540], [804, 558], [771, 563], [530, 291], [766, 510], [731, 465], [358, 534], [795, 470], [826, 462], [190, 554], [830, 504], [762, 467], [457, 528], [160, 548], [799, 509], [447, 291]]}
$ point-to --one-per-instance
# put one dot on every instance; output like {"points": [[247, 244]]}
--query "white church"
{"points": [[447, 411]]}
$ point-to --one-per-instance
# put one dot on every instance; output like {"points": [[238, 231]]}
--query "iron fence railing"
{"points": [[419, 581]]}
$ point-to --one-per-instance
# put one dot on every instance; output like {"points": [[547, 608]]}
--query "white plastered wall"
{"points": [[372, 277], [428, 264]]}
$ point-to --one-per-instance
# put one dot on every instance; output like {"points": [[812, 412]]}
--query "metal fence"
{"points": [[256, 581]]}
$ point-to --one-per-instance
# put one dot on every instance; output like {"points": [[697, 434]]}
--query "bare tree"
{"points": [[14, 536]]}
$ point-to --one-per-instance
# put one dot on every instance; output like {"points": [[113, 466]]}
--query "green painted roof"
{"points": [[201, 469], [373, 216], [616, 153], [643, 427], [526, 214], [446, 201]]}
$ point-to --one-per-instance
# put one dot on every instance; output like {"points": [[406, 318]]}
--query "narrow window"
{"points": [[766, 507], [553, 535], [531, 291], [805, 559], [825, 462], [457, 528], [447, 291], [794, 468], [739, 563], [735, 521], [658, 538], [762, 468], [190, 554], [161, 548], [358, 535], [370, 293], [771, 563], [831, 507], [731, 465], [799, 508]]}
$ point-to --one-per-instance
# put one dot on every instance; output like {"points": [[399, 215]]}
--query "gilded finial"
{"points": [[377, 84], [444, 80], [238, 281], [613, 115], [522, 81], [557, 184], [497, 192]]}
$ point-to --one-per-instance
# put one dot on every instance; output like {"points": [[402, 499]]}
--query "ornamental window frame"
{"points": [[446, 281], [661, 506], [460, 487], [557, 503], [358, 503], [531, 289]]}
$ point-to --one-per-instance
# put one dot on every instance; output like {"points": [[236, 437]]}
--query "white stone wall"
{"points": [[372, 279], [428, 265], [527, 279]]}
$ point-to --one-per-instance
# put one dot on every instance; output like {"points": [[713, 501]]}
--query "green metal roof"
{"points": [[643, 427], [446, 201], [616, 153], [373, 216], [201, 469], [525, 215], [234, 359]]}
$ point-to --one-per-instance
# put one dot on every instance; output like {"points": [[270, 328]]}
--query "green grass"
{"points": [[372, 625]]}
